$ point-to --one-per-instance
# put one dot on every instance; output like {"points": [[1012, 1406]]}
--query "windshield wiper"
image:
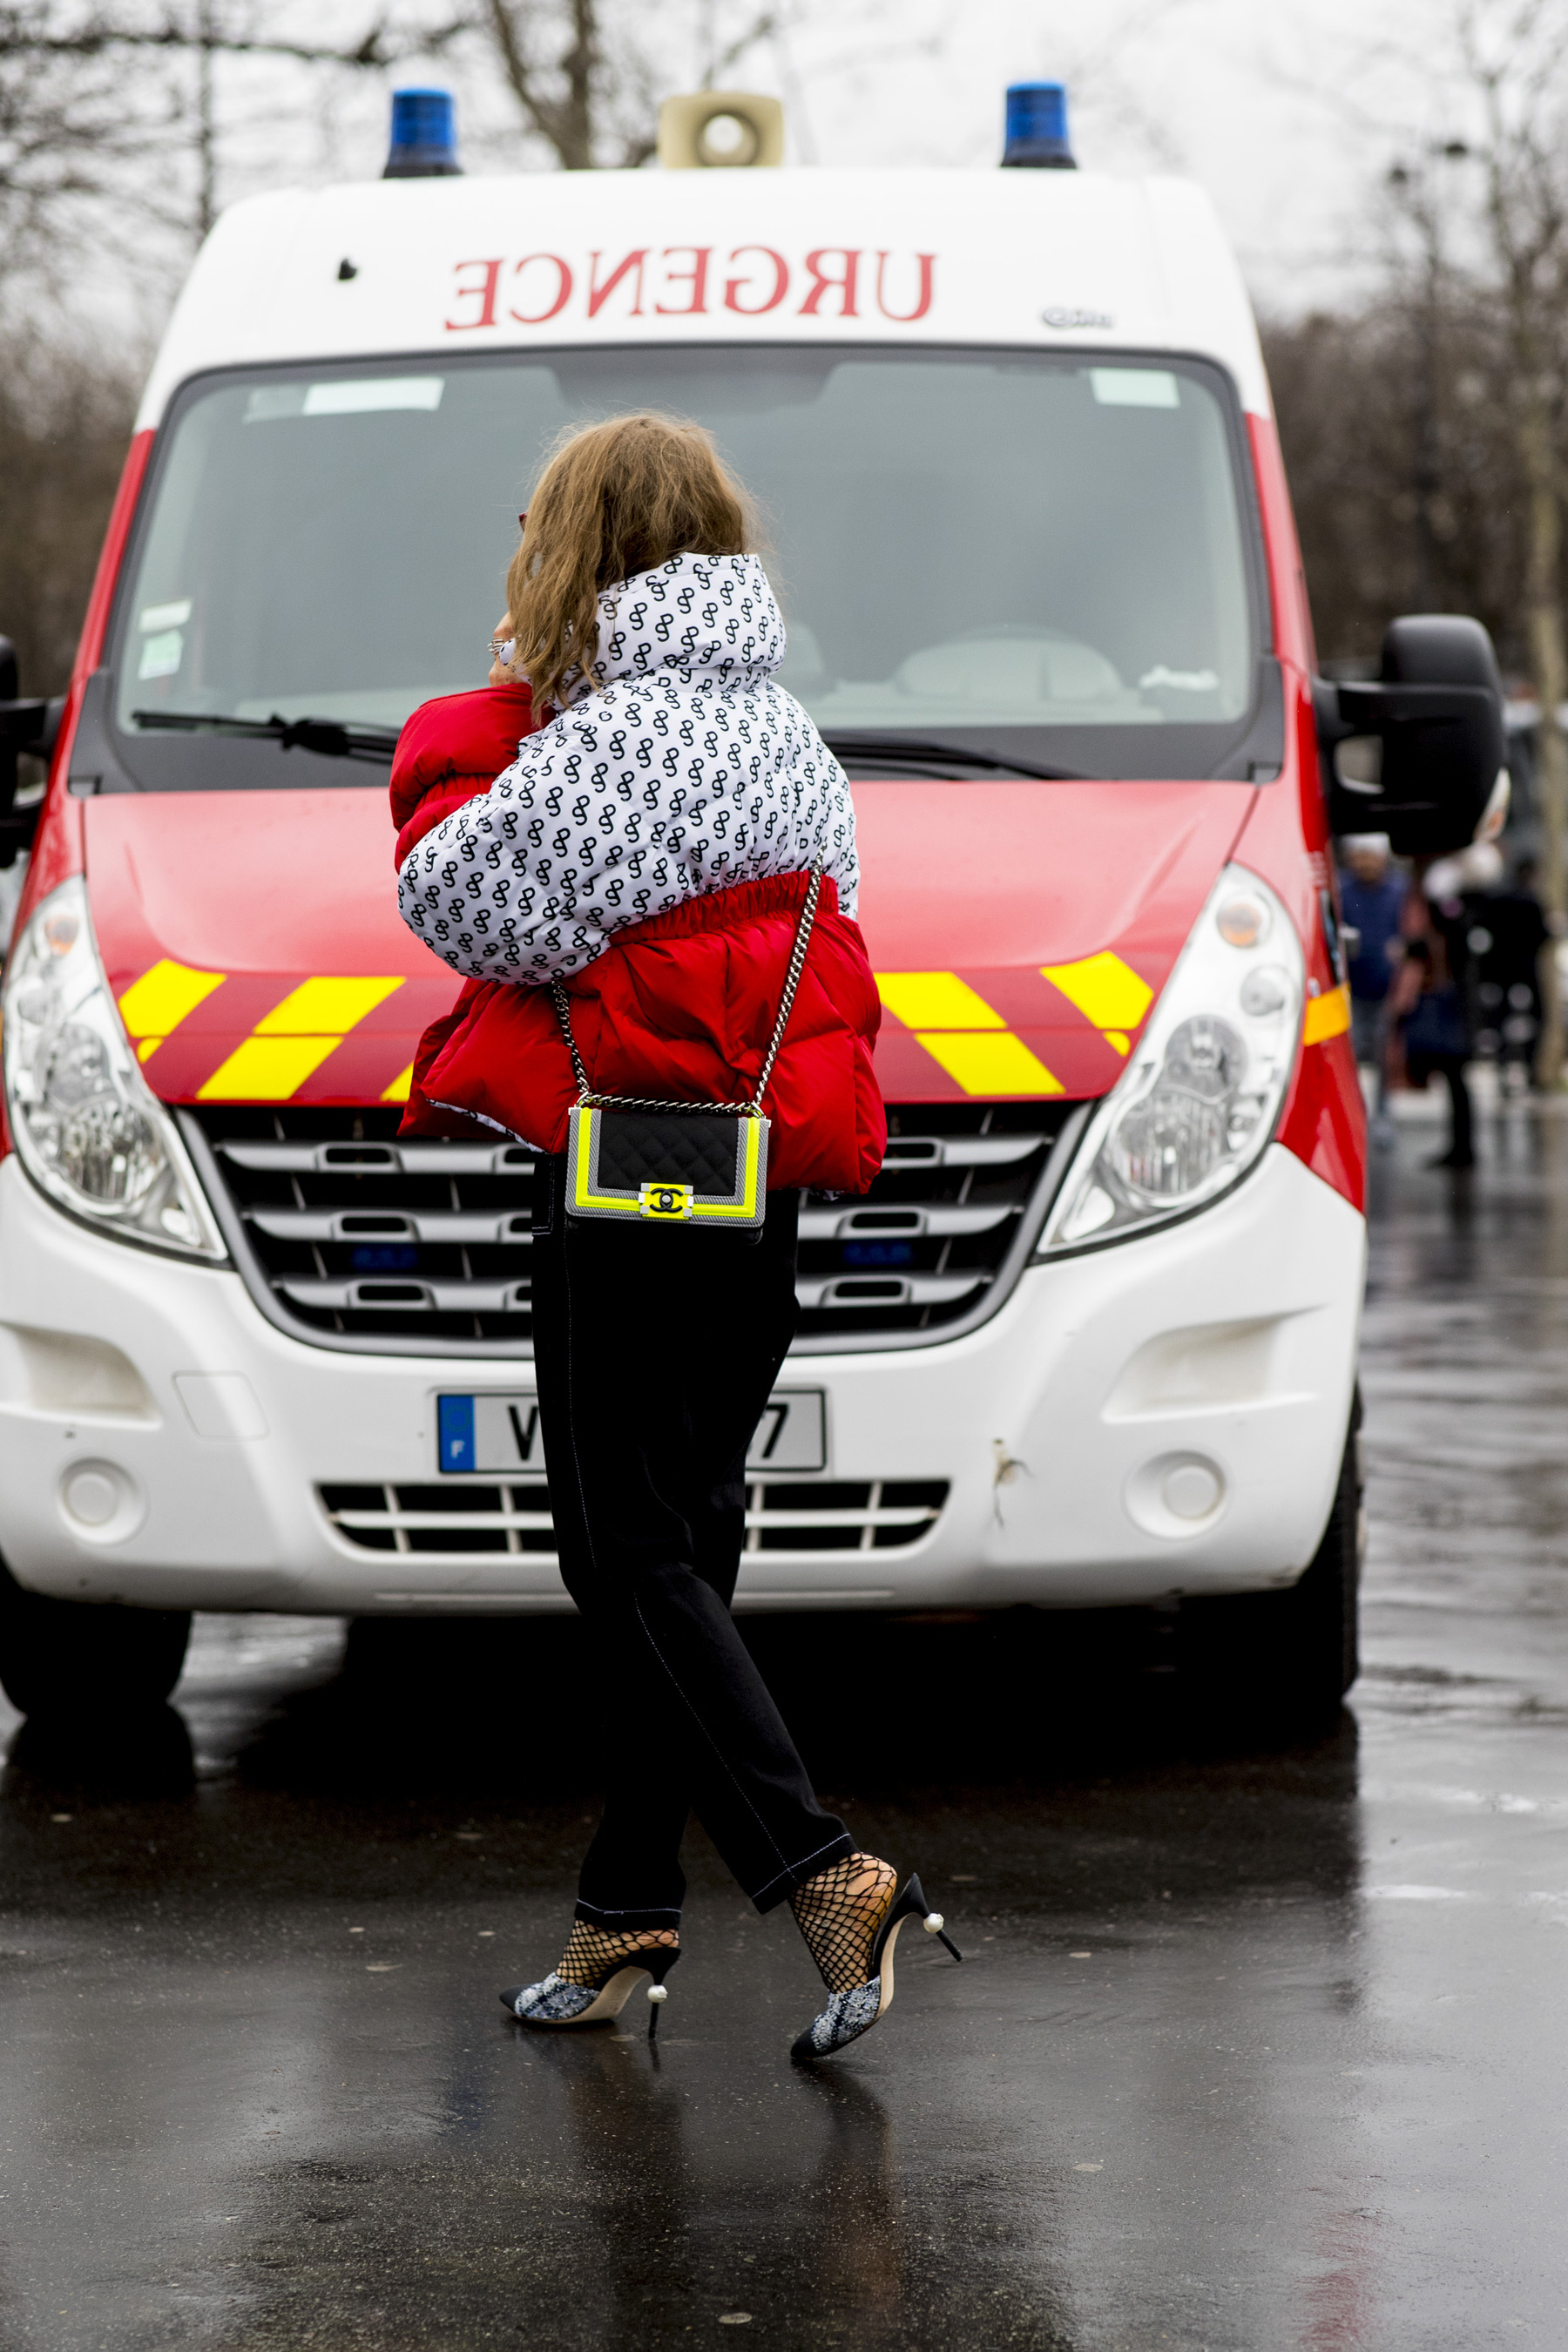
{"points": [[919, 750], [331, 737]]}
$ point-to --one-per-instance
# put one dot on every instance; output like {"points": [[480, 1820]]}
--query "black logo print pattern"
{"points": [[688, 770]]}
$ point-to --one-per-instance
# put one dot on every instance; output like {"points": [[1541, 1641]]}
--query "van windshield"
{"points": [[1040, 558]]}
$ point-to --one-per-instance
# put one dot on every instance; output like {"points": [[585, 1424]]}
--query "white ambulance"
{"points": [[1092, 1338]]}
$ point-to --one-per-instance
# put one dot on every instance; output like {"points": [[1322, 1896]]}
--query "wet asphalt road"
{"points": [[1252, 2048]]}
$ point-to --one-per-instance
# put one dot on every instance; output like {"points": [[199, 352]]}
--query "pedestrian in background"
{"points": [[1434, 997], [1507, 933], [1371, 898]]}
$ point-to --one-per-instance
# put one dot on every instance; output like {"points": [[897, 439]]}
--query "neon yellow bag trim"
{"points": [[656, 1197]]}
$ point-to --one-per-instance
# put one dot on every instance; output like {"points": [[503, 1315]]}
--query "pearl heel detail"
{"points": [[933, 1922]]}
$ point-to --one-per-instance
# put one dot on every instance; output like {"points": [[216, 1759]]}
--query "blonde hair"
{"points": [[614, 499]]}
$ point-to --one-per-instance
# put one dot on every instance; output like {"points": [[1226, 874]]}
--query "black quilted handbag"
{"points": [[677, 1163]]}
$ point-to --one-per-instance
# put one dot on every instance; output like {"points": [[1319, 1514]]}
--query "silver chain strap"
{"points": [[752, 1108]]}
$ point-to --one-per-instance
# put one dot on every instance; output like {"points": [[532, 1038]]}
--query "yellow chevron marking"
{"points": [[398, 1090], [1327, 1016], [146, 1047], [1115, 1037], [990, 1065], [267, 1069], [318, 1005], [162, 998], [1105, 989], [936, 999], [289, 1043]]}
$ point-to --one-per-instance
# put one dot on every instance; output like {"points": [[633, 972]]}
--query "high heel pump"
{"points": [[852, 2014], [556, 2001]]}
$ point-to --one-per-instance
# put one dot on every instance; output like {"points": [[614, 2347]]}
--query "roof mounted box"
{"points": [[720, 130]]}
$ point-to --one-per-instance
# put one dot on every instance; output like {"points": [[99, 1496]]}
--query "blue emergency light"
{"points": [[1038, 127], [423, 136]]}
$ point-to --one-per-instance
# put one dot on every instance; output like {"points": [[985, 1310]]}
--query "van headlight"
{"points": [[1201, 1095], [89, 1128]]}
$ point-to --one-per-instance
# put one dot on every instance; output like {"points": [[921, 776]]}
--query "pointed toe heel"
{"points": [[850, 2014], [555, 2002]]}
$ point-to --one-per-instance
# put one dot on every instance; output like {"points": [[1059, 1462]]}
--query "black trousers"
{"points": [[655, 1352], [1419, 1068]]}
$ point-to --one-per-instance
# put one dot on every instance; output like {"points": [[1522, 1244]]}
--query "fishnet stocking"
{"points": [[590, 1949], [839, 1911]]}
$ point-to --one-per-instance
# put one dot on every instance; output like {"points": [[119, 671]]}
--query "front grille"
{"points": [[352, 1237], [349, 1235], [938, 1239], [875, 1514]]}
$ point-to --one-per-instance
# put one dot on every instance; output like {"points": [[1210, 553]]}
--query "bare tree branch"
{"points": [[377, 49], [566, 121], [87, 97], [761, 29]]}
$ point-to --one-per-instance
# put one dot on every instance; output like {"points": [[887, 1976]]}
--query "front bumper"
{"points": [[1164, 1416]]}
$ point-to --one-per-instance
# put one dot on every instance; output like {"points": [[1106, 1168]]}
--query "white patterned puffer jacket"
{"points": [[688, 771]]}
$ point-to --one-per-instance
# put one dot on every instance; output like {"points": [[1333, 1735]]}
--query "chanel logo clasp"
{"points": [[670, 1201]]}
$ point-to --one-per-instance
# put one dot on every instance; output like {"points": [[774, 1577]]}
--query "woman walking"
{"points": [[630, 902]]}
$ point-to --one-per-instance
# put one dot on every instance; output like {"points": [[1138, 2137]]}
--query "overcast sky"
{"points": [[1244, 95], [1287, 112]]}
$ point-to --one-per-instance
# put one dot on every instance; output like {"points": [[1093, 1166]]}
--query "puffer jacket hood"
{"points": [[687, 770], [660, 831], [703, 617]]}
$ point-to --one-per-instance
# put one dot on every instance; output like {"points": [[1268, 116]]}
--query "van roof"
{"points": [[1026, 258]]}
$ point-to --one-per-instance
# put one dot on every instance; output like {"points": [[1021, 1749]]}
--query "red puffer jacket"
{"points": [[680, 1006], [451, 750]]}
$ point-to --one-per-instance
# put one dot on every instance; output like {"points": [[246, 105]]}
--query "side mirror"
{"points": [[26, 725], [1436, 711]]}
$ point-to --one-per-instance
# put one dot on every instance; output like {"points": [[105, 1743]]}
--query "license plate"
{"points": [[499, 1435], [793, 1432]]}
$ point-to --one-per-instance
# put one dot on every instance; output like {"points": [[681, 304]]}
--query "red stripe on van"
{"points": [[58, 849], [58, 845]]}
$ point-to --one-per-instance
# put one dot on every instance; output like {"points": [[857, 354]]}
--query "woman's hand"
{"points": [[501, 671]]}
